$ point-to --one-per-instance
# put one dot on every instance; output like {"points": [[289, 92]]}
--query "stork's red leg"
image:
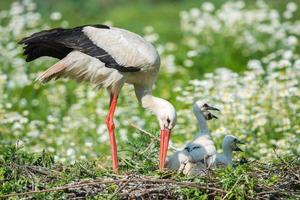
{"points": [[111, 130]]}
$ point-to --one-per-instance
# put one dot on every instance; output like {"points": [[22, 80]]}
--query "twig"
{"points": [[39, 169], [146, 191], [275, 192], [150, 134], [56, 189], [267, 192], [189, 184], [119, 189]]}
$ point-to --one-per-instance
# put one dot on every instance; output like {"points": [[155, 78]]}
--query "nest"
{"points": [[135, 186]]}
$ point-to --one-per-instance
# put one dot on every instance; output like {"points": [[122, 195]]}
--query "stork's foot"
{"points": [[208, 115]]}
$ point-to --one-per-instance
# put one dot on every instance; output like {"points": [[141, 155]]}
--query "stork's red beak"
{"points": [[164, 143]]}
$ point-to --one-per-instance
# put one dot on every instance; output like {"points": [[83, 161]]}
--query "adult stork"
{"points": [[108, 57]]}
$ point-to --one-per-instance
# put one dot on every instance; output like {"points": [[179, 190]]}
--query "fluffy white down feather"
{"points": [[198, 155], [229, 144]]}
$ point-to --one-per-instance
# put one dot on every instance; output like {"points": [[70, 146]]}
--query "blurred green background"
{"points": [[133, 15], [162, 15]]}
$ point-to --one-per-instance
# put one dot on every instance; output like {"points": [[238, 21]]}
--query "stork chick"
{"points": [[201, 151], [229, 144]]}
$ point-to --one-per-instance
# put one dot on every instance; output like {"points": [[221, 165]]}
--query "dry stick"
{"points": [[36, 169], [150, 134], [133, 188], [180, 184], [147, 191], [119, 189], [275, 192], [131, 195], [56, 189], [189, 184]]}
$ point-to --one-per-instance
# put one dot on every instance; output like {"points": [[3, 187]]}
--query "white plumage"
{"points": [[127, 48], [81, 67], [200, 154], [229, 144]]}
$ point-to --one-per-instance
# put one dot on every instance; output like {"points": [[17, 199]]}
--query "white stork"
{"points": [[229, 144], [108, 57], [201, 151]]}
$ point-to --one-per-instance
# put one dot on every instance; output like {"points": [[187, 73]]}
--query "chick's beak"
{"points": [[164, 143], [237, 148], [209, 116], [206, 108], [212, 108]]}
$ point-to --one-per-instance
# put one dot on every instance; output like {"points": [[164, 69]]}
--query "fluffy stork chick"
{"points": [[201, 151], [229, 144]]}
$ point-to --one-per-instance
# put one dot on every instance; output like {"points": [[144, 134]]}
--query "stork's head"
{"points": [[230, 143], [205, 109], [166, 115]]}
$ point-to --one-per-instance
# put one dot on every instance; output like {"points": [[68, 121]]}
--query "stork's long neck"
{"points": [[148, 101], [201, 121], [145, 98], [227, 153]]}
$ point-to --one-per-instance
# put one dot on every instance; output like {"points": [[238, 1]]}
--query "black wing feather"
{"points": [[59, 42]]}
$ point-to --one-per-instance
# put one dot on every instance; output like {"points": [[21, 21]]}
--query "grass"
{"points": [[37, 176]]}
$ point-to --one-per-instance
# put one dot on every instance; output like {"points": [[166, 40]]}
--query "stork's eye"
{"points": [[235, 140], [168, 120]]}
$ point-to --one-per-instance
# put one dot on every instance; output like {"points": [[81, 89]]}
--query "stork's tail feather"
{"points": [[53, 72], [44, 43]]}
